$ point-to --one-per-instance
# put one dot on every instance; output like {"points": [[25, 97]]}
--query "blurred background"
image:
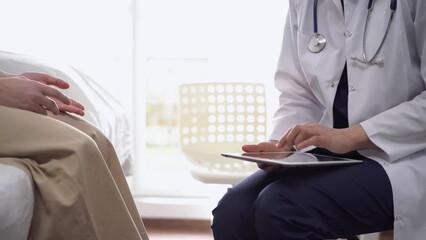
{"points": [[141, 51]]}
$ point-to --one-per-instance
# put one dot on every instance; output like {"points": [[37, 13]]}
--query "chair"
{"points": [[221, 117], [216, 118]]}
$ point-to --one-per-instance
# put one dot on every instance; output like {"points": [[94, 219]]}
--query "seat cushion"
{"points": [[16, 203]]}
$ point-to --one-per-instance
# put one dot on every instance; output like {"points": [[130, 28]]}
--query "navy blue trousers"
{"points": [[306, 204]]}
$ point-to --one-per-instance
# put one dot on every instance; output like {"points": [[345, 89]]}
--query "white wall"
{"points": [[93, 35]]}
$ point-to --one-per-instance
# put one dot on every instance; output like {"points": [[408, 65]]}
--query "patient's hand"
{"points": [[270, 146], [30, 91], [72, 107]]}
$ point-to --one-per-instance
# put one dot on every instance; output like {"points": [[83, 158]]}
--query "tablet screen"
{"points": [[291, 158], [284, 156]]}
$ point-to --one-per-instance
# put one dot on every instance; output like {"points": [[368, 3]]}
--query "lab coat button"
{"points": [[332, 85], [398, 218], [385, 164], [351, 89], [347, 33]]}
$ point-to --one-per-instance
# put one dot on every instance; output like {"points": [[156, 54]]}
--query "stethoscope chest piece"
{"points": [[317, 43]]}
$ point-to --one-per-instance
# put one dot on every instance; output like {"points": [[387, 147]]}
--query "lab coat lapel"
{"points": [[354, 8], [338, 4], [350, 7]]}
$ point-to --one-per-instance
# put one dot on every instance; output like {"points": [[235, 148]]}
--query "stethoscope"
{"points": [[318, 42]]}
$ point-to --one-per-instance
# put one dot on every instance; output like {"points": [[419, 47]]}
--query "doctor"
{"points": [[352, 81]]}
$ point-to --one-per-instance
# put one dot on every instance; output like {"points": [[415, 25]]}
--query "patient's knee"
{"points": [[16, 203]]}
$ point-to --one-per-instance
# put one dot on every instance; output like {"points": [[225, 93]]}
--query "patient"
{"points": [[79, 188]]}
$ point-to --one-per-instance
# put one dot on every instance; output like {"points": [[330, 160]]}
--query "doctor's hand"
{"points": [[335, 140], [270, 146]]}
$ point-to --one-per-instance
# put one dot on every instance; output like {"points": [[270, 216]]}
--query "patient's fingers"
{"points": [[63, 103], [71, 109], [39, 109], [76, 104], [52, 92], [46, 79], [50, 105]]}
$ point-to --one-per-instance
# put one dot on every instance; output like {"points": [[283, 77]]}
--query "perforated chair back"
{"points": [[216, 118]]}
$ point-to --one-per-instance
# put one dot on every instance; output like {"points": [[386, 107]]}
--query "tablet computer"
{"points": [[292, 159]]}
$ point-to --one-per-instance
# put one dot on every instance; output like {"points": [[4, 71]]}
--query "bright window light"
{"points": [[141, 51]]}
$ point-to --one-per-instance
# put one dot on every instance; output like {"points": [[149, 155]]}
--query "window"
{"points": [[95, 36], [194, 41], [141, 51]]}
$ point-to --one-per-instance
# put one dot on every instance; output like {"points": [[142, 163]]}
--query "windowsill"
{"points": [[175, 207], [183, 199], [197, 206]]}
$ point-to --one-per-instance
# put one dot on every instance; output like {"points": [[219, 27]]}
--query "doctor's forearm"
{"points": [[358, 138]]}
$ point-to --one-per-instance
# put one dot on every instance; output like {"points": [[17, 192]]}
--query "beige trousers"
{"points": [[79, 187]]}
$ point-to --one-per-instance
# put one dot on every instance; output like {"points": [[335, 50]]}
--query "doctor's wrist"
{"points": [[358, 138]]}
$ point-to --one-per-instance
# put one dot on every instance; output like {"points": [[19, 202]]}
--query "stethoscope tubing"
{"points": [[372, 60], [316, 16], [370, 7], [364, 51]]}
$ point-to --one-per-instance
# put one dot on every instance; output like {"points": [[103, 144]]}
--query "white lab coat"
{"points": [[388, 101]]}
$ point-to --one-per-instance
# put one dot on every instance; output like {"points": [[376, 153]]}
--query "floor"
{"points": [[178, 229], [160, 229], [386, 236]]}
